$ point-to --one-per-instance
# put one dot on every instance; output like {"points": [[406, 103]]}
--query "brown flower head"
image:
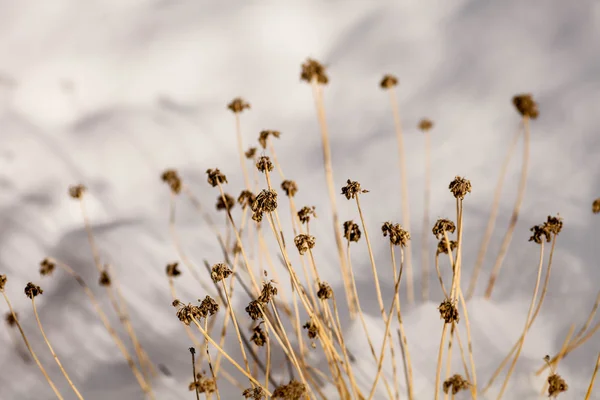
{"points": [[448, 312], [171, 178], [215, 177], [204, 384], [266, 201], [264, 137], [425, 125], [305, 214], [187, 313], [398, 236], [460, 187], [264, 164], [313, 330], [2, 282], [325, 291], [388, 81], [313, 70], [104, 278], [443, 248], [47, 266], [556, 385], [246, 198], [32, 290], [219, 272], [256, 393], [596, 206], [351, 231], [254, 310], [352, 189], [540, 233], [258, 337], [10, 318], [173, 269], [292, 391], [267, 292], [77, 191], [554, 224], [441, 226], [526, 106], [225, 204], [289, 187], [250, 153], [304, 243], [456, 383], [208, 307], [238, 105]]}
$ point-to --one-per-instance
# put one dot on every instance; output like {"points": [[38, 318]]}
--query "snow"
{"points": [[110, 93]]}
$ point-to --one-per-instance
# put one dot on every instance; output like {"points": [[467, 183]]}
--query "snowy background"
{"points": [[111, 92]]}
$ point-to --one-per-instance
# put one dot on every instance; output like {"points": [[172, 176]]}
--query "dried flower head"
{"points": [[104, 278], [10, 318], [442, 247], [219, 272], [448, 312], [171, 178], [246, 198], [289, 187], [258, 337], [313, 331], [238, 105], [441, 226], [305, 214], [398, 236], [266, 201], [77, 191], [264, 137], [460, 187], [47, 266], [325, 291], [556, 385], [225, 202], [204, 384], [208, 307], [256, 393], [456, 383], [304, 243], [250, 153], [215, 177], [425, 125], [2, 282], [388, 81], [264, 164], [596, 206], [32, 290], [351, 231], [352, 189], [254, 310], [526, 106], [267, 292], [173, 269], [313, 70], [540, 233], [187, 313], [554, 224]]}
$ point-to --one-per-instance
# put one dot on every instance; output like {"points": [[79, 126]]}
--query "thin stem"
{"points": [[238, 131], [591, 386], [235, 324], [438, 371], [210, 366], [197, 389], [425, 229]]}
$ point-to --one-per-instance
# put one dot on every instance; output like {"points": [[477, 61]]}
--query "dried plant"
{"points": [[312, 70], [596, 206], [388, 81], [351, 231], [173, 270], [398, 236], [171, 178], [238, 105], [305, 214], [264, 137], [264, 164], [304, 243], [215, 177], [289, 187]]}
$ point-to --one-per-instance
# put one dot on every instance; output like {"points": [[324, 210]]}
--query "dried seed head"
{"points": [[267, 292], [47, 267], [441, 226], [313, 70], [526, 106], [425, 125], [538, 232], [557, 385], [219, 272], [325, 291], [460, 187], [246, 198], [173, 270], [254, 310], [215, 177], [554, 224], [352, 189], [305, 214], [258, 337], [313, 331], [596, 206], [398, 236], [443, 248], [171, 178], [351, 231], [456, 383], [256, 393], [250, 153], [104, 278], [2, 282], [388, 81], [77, 191], [448, 312], [208, 307], [289, 187], [238, 105], [266, 201], [204, 384], [225, 204], [264, 137], [304, 243], [292, 391], [187, 313], [264, 164], [10, 319], [32, 290]]}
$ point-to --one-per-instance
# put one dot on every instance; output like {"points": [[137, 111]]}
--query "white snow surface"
{"points": [[109, 93]]}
